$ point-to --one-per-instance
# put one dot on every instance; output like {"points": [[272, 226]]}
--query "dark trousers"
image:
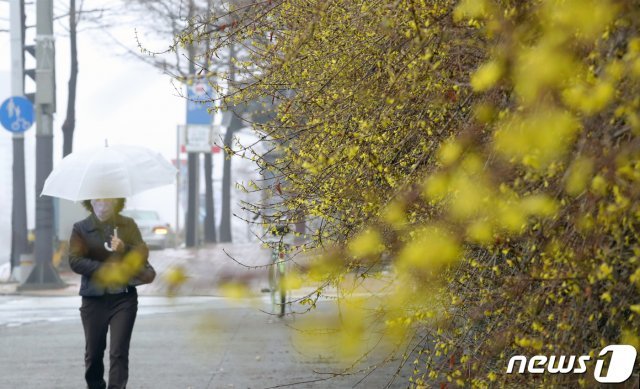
{"points": [[114, 313]]}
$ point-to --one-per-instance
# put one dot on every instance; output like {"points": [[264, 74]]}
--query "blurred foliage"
{"points": [[117, 273], [487, 150], [175, 277]]}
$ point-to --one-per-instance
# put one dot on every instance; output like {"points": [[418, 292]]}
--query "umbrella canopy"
{"points": [[108, 172]]}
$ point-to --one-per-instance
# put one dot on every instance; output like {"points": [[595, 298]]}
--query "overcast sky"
{"points": [[119, 98]]}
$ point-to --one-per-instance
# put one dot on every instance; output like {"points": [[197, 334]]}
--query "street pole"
{"points": [[44, 276], [178, 186], [19, 204], [209, 219], [193, 160], [234, 124]]}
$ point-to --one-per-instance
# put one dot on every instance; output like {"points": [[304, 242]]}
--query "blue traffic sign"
{"points": [[16, 114], [199, 96]]}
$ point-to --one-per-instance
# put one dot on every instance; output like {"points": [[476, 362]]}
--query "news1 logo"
{"points": [[623, 357]]}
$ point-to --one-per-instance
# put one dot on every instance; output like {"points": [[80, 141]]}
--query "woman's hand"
{"points": [[117, 245]]}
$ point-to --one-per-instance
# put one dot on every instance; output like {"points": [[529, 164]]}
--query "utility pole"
{"points": [[19, 203], [209, 219], [234, 125], [44, 276], [193, 162]]}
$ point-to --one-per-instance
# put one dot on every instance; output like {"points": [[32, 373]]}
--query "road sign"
{"points": [[199, 96], [198, 138], [16, 114]]}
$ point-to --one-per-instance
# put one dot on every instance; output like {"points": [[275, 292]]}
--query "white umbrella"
{"points": [[108, 172]]}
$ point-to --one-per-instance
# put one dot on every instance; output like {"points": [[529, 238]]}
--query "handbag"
{"points": [[145, 276]]}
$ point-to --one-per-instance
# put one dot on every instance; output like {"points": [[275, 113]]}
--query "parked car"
{"points": [[155, 232]]}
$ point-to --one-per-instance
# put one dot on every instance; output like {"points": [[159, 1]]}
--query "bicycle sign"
{"points": [[16, 114]]}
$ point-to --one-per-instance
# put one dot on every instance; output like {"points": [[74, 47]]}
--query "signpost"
{"points": [[19, 235], [44, 275], [16, 114], [197, 132], [199, 96], [199, 138], [199, 135]]}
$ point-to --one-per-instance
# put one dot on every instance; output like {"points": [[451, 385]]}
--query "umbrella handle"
{"points": [[107, 246]]}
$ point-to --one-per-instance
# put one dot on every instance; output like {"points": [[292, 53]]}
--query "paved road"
{"points": [[185, 342], [194, 340]]}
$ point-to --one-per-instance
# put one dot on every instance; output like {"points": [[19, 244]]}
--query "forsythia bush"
{"points": [[487, 149]]}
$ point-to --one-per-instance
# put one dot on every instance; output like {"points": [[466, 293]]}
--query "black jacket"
{"points": [[87, 252]]}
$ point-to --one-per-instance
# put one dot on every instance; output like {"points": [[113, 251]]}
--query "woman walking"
{"points": [[107, 243]]}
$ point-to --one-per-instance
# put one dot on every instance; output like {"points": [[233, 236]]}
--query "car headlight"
{"points": [[160, 230]]}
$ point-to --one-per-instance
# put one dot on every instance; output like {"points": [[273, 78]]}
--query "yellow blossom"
{"points": [[486, 76]]}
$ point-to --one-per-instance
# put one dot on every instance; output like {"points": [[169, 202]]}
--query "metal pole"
{"points": [[179, 177], [17, 59], [191, 223], [209, 205], [198, 231], [19, 204], [44, 276]]}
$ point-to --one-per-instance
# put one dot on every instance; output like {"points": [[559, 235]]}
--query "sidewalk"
{"points": [[206, 268]]}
